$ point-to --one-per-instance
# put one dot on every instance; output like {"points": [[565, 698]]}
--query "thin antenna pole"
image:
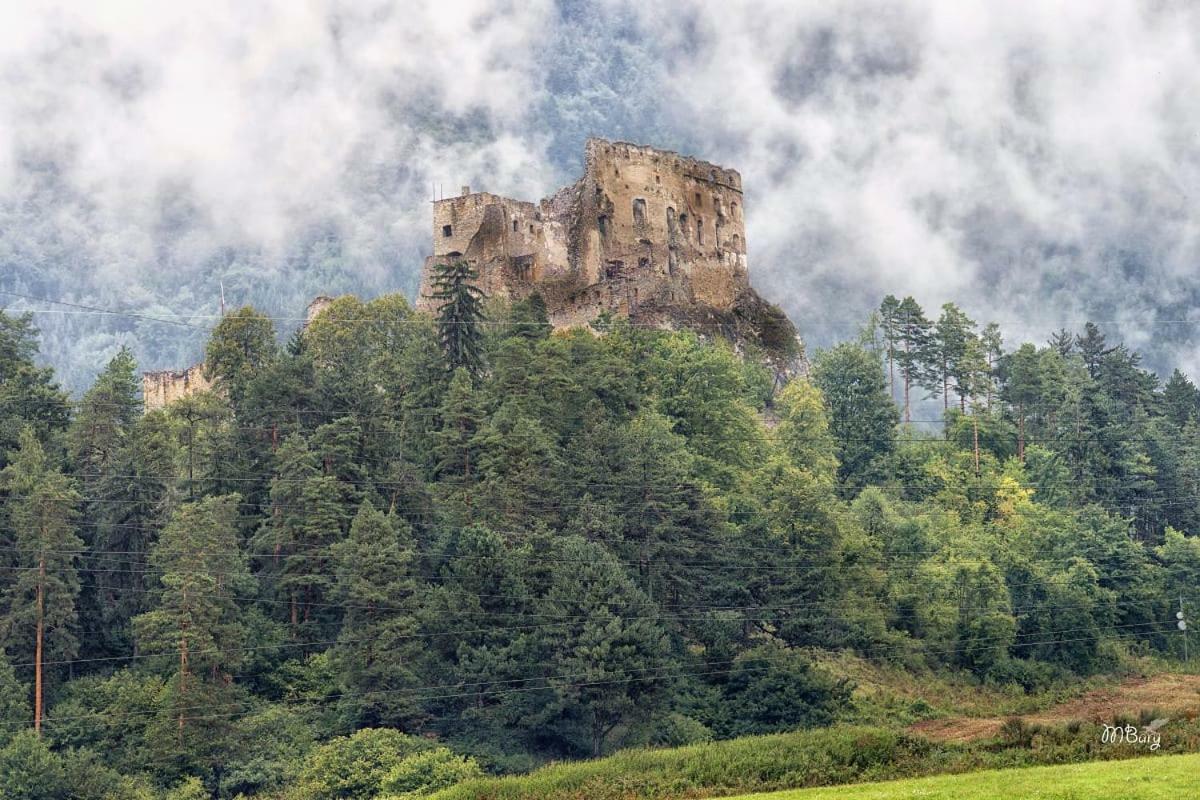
{"points": [[222, 283]]}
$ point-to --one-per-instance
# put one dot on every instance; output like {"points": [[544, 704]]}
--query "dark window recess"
{"points": [[514, 226], [639, 211], [670, 221], [683, 225], [531, 228], [447, 231], [614, 269], [698, 200], [602, 223], [643, 264], [699, 230]]}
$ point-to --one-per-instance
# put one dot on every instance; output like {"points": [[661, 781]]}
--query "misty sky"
{"points": [[1030, 160]]}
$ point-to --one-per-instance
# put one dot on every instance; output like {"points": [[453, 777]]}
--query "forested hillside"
{"points": [[392, 552]]}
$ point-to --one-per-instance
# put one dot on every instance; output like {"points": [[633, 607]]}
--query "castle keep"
{"points": [[644, 233]]}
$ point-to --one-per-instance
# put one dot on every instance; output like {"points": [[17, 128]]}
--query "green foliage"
{"points": [[29, 396], [379, 644], [298, 584], [459, 316], [354, 767], [30, 771], [424, 773], [772, 689], [861, 417], [242, 344]]}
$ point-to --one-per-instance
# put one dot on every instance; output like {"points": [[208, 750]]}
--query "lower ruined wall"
{"points": [[167, 386]]}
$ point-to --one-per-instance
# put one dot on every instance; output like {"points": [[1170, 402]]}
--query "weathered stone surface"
{"points": [[167, 386], [642, 228], [645, 233]]}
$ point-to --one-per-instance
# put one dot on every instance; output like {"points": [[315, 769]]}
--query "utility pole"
{"points": [[1182, 625]]}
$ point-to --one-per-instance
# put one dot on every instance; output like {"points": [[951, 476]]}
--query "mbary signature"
{"points": [[1131, 734]]}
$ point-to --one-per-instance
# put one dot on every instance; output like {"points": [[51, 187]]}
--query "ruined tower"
{"points": [[645, 233]]}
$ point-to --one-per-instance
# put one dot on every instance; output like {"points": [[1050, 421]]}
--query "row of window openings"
{"points": [[639, 219], [448, 230]]}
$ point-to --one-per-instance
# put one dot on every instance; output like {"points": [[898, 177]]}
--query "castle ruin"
{"points": [[645, 233]]}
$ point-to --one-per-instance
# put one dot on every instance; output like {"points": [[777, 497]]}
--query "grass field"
{"points": [[1133, 779]]}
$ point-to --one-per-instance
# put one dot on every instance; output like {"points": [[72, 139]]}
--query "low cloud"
{"points": [[1029, 160]]}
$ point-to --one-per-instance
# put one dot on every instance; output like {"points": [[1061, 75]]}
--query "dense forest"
{"points": [[395, 551]]}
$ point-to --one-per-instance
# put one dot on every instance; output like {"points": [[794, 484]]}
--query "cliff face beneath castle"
{"points": [[645, 233]]}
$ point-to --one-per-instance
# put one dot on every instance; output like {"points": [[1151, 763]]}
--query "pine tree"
{"points": [[378, 646], [196, 624], [279, 539], [1092, 348], [1180, 399], [914, 335], [460, 316], [39, 603], [29, 395], [889, 322], [123, 504], [242, 343], [955, 356], [993, 351]]}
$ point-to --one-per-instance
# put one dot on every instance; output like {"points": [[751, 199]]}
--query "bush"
{"points": [[426, 772], [29, 771], [1031, 676], [773, 689], [354, 767]]}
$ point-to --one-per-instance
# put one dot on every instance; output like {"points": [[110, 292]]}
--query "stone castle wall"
{"points": [[643, 231], [167, 386]]}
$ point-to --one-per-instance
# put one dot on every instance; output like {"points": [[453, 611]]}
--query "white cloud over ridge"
{"points": [[1032, 160]]}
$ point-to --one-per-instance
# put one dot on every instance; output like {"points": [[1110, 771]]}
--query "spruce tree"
{"points": [[378, 648], [609, 658], [460, 316]]}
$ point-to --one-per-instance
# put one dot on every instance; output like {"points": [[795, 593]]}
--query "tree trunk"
{"points": [[891, 374], [975, 425], [1021, 431], [945, 386], [37, 656], [183, 663]]}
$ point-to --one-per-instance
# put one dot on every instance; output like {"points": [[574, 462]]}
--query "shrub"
{"points": [[354, 767], [426, 772]]}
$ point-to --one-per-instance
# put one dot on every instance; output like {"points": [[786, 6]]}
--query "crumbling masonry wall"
{"points": [[167, 386], [644, 233]]}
